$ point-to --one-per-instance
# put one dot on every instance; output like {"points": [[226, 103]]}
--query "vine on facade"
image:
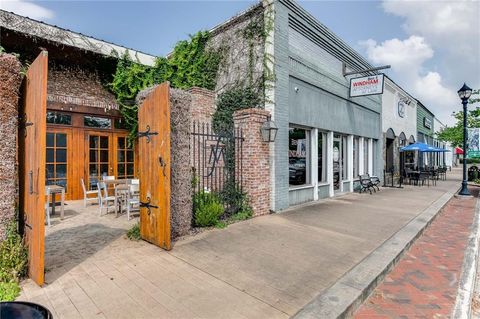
{"points": [[190, 64]]}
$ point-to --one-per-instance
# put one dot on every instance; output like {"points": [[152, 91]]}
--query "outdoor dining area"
{"points": [[423, 173], [120, 196]]}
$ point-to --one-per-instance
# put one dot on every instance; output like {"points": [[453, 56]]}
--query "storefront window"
{"points": [[298, 156], [344, 158], [355, 156], [365, 155], [322, 157]]}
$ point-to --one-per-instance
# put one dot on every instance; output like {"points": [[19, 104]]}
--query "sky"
{"points": [[433, 46]]}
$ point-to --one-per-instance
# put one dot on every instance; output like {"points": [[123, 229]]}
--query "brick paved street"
{"points": [[425, 281]]}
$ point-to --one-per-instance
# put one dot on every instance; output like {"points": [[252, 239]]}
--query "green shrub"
{"points": [[13, 263], [9, 291], [134, 232], [208, 209]]}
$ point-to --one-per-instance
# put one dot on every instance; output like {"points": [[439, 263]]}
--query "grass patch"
{"points": [[13, 263], [134, 232], [9, 291]]}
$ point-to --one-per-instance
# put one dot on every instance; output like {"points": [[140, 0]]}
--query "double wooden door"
{"points": [[76, 153]]}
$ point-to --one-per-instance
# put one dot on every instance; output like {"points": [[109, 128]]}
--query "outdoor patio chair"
{"points": [[86, 194], [104, 199], [366, 184], [133, 200]]}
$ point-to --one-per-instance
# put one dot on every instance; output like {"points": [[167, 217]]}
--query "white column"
{"points": [[330, 163], [370, 156], [350, 161], [314, 162], [361, 156]]}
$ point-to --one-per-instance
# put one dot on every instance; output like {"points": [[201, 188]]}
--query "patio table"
{"points": [[53, 190]]}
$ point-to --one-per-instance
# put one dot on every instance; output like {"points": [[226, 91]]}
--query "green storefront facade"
{"points": [[425, 129]]}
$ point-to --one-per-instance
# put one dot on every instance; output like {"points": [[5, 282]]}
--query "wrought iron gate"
{"points": [[216, 159]]}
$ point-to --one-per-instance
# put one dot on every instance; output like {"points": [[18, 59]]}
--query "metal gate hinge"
{"points": [[147, 205], [146, 134]]}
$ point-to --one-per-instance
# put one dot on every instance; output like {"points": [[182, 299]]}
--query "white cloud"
{"points": [[441, 51], [27, 9], [407, 58]]}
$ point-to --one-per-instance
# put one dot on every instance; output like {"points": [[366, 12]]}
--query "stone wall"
{"points": [[181, 198], [10, 80], [255, 159], [230, 36], [80, 87]]}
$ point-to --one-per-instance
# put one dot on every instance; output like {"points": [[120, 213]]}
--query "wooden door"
{"points": [[32, 137], [123, 157], [154, 166], [59, 164], [99, 153]]}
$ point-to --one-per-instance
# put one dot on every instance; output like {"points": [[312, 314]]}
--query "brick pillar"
{"points": [[203, 104], [10, 79], [255, 159]]}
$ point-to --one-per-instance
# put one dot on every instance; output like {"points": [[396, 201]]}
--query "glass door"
{"points": [[57, 159], [99, 157], [337, 162], [124, 159]]}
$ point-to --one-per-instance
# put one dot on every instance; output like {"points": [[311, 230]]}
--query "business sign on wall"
{"points": [[427, 123], [366, 85]]}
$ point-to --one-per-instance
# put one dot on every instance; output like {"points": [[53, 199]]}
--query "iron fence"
{"points": [[216, 160]]}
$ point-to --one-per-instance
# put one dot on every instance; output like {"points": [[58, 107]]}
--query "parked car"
{"points": [[297, 171]]}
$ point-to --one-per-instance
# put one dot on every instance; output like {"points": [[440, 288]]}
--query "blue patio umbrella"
{"points": [[420, 147]]}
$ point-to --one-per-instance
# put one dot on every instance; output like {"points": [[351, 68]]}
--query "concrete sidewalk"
{"points": [[267, 267]]}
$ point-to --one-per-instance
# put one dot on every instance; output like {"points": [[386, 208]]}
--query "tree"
{"points": [[454, 134]]}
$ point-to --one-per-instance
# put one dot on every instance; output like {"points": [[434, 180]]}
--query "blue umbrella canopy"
{"points": [[422, 147]]}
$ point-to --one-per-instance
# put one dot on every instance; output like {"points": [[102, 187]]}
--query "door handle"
{"points": [[30, 182]]}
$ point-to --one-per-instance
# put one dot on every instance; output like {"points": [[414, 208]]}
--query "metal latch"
{"points": [[147, 205], [146, 134]]}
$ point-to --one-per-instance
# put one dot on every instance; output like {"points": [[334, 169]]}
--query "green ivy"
{"points": [[13, 263], [190, 64]]}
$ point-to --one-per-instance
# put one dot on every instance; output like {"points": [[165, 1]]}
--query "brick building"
{"points": [[85, 136]]}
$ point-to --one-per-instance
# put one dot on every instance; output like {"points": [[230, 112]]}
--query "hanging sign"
{"points": [[366, 85], [473, 147]]}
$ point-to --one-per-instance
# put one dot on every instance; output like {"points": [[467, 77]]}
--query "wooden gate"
{"points": [[154, 166], [32, 139]]}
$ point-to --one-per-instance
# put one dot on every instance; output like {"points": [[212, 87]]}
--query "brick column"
{"points": [[203, 105], [255, 159], [10, 79]]}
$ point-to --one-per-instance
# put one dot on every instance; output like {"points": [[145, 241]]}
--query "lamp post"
{"points": [[464, 94]]}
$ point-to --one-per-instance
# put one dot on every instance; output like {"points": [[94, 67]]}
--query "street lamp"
{"points": [[464, 94]]}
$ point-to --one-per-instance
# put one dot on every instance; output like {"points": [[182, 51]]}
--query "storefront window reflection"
{"points": [[322, 156], [355, 156], [298, 156]]}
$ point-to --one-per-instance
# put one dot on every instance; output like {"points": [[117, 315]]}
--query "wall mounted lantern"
{"points": [[269, 130]]}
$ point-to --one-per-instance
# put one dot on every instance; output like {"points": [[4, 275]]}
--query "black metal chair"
{"points": [[375, 181]]}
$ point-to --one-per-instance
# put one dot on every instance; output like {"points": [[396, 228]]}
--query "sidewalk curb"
{"points": [[463, 303], [344, 297]]}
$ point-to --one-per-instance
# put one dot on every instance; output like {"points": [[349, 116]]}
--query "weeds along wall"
{"points": [[10, 81]]}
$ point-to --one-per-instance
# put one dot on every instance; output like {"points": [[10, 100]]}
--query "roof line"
{"points": [[79, 34]]}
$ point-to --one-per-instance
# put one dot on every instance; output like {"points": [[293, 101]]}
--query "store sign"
{"points": [[366, 85], [427, 123], [401, 109]]}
